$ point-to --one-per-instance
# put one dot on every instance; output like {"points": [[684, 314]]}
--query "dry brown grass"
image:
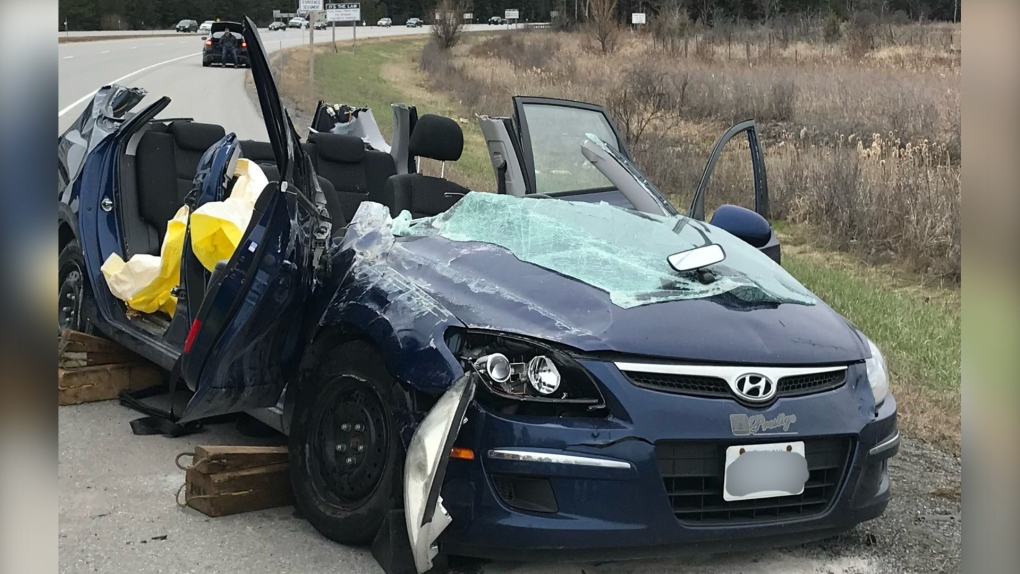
{"points": [[866, 149]]}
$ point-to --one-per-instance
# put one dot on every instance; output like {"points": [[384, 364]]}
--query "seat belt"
{"points": [[159, 421]]}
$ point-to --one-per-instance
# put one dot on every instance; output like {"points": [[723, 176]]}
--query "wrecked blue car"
{"points": [[567, 366]]}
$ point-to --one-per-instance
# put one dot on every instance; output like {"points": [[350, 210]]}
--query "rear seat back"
{"points": [[357, 173], [262, 154], [166, 162]]}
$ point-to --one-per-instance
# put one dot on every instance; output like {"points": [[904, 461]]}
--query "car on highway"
{"points": [[497, 20], [277, 26], [321, 24], [206, 26], [187, 26], [212, 51], [384, 22], [568, 366], [414, 23], [298, 22]]}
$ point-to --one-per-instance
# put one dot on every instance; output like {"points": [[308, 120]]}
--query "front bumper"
{"points": [[601, 488]]}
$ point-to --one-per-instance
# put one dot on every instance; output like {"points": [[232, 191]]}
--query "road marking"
{"points": [[122, 78], [68, 57], [105, 52]]}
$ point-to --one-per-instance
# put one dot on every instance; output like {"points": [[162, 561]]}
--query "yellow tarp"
{"points": [[144, 282]]}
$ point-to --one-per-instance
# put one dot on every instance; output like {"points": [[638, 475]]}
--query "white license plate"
{"points": [[764, 471]]}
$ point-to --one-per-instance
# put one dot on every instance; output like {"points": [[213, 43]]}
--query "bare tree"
{"points": [[448, 25], [768, 8], [602, 25]]}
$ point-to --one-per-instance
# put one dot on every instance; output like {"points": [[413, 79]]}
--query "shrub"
{"points": [[861, 38], [832, 29], [448, 23]]}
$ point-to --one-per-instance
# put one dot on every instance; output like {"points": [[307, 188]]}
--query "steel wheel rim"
{"points": [[348, 446], [69, 298]]}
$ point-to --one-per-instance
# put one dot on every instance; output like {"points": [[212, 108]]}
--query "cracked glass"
{"points": [[621, 252]]}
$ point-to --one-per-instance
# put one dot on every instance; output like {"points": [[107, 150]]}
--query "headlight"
{"points": [[526, 376], [878, 374]]}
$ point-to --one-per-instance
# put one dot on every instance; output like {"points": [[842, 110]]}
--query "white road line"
{"points": [[105, 52], [122, 78], [69, 57]]}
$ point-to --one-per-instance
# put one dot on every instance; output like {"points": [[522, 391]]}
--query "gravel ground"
{"points": [[117, 514]]}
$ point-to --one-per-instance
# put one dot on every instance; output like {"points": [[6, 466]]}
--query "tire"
{"points": [[75, 309], [205, 64], [347, 502]]}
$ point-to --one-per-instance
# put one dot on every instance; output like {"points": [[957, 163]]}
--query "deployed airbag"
{"points": [[218, 226], [145, 281]]}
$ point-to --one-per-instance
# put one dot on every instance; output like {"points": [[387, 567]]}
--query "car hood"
{"points": [[487, 287], [595, 278]]}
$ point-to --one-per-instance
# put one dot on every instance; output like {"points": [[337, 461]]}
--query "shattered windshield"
{"points": [[621, 252]]}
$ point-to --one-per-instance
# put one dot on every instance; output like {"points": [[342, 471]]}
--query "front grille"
{"points": [[681, 384], [692, 472], [807, 384], [716, 387]]}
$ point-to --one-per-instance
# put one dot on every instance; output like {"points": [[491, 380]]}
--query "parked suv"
{"points": [[187, 26], [212, 53]]}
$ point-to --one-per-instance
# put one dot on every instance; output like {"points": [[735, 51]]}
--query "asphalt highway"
{"points": [[172, 66]]}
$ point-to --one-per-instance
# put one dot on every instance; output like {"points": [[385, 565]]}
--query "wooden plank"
{"points": [[104, 382], [226, 493], [77, 350], [224, 458]]}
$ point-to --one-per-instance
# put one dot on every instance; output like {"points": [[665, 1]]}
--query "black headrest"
{"points": [[436, 137], [339, 148], [258, 151], [195, 136]]}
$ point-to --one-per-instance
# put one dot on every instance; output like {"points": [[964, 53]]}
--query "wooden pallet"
{"points": [[225, 480], [93, 369]]}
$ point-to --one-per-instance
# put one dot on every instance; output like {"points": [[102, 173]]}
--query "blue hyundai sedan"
{"points": [[566, 367]]}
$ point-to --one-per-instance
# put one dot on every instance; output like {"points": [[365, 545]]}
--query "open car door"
{"points": [[761, 189], [242, 344]]}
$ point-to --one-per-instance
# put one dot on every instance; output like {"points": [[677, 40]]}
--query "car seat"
{"points": [[434, 137]]}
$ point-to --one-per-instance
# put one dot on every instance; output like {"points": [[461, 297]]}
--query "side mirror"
{"points": [[750, 227]]}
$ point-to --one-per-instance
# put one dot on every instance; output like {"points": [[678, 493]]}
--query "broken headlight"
{"points": [[526, 376]]}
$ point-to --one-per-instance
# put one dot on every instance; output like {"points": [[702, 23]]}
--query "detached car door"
{"points": [[551, 131], [244, 340]]}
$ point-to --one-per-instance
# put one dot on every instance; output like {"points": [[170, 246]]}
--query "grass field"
{"points": [[913, 318]]}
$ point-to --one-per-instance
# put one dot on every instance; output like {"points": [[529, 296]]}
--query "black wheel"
{"points": [[74, 303], [345, 453]]}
